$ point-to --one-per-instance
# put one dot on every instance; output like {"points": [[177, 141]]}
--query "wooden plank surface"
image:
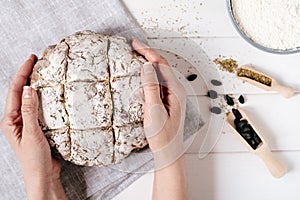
{"points": [[232, 176], [272, 114], [191, 18], [201, 52], [191, 34], [241, 176]]}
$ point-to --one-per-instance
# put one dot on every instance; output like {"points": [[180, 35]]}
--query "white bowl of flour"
{"points": [[270, 25]]}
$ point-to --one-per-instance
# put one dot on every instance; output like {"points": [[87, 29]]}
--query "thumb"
{"points": [[150, 85], [29, 110]]}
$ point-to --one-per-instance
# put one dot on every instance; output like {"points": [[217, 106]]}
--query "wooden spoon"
{"points": [[276, 168], [269, 82]]}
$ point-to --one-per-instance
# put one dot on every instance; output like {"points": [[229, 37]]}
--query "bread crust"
{"points": [[90, 100]]}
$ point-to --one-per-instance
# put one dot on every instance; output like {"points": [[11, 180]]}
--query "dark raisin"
{"points": [[237, 113], [216, 82], [229, 100], [241, 99], [212, 94], [191, 77], [247, 128], [216, 110]]}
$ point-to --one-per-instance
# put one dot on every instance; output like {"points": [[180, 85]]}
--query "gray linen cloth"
{"points": [[29, 27]]}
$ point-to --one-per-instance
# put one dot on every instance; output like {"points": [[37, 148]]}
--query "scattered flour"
{"points": [[271, 23]]}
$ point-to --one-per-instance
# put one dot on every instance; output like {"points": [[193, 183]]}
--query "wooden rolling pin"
{"points": [[263, 81], [259, 145]]}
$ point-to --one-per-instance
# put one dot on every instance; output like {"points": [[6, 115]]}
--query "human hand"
{"points": [[164, 115], [20, 125], [164, 108]]}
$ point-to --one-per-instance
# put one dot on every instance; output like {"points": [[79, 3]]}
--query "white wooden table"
{"points": [[229, 171]]}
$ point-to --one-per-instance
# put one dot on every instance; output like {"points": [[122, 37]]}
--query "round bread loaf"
{"points": [[90, 104]]}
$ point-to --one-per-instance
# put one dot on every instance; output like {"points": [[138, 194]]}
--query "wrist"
{"points": [[41, 188], [170, 182], [170, 153], [57, 190]]}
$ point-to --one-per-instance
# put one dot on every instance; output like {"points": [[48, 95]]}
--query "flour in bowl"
{"points": [[273, 24]]}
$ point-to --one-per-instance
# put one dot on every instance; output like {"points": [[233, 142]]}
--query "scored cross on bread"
{"points": [[91, 105]]}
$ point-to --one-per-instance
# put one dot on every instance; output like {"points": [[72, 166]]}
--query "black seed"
{"points": [[257, 138], [246, 128], [229, 100], [247, 132], [247, 135], [237, 113], [241, 99], [252, 143], [216, 110], [191, 77], [216, 82], [240, 126], [236, 121], [212, 94]]}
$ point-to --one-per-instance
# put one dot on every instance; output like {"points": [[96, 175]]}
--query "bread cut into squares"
{"points": [[127, 99], [123, 61], [50, 69], [92, 147], [88, 105], [128, 138], [59, 140], [87, 59], [90, 98], [52, 112]]}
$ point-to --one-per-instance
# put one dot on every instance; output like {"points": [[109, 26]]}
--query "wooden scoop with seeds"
{"points": [[263, 81], [254, 141]]}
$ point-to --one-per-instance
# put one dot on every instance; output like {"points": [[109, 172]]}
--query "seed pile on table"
{"points": [[246, 130], [241, 72], [226, 64]]}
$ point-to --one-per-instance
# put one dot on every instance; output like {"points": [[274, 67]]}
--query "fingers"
{"points": [[29, 110], [150, 85], [156, 117], [167, 79], [149, 53], [166, 74], [155, 114], [14, 95], [164, 71]]}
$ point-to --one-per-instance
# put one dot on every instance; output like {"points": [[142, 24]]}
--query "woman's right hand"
{"points": [[164, 108], [164, 114]]}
